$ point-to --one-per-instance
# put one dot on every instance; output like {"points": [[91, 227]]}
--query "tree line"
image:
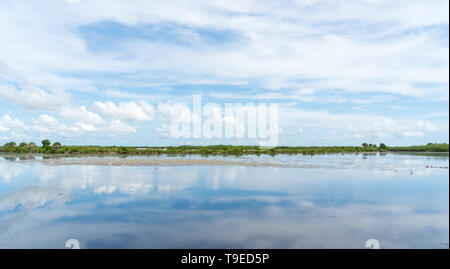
{"points": [[25, 147], [57, 148]]}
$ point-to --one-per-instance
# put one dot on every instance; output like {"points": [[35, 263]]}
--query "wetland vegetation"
{"points": [[57, 148]]}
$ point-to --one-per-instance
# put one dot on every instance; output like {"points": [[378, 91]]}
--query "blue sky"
{"points": [[112, 72]]}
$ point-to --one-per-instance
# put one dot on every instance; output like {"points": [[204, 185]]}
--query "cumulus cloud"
{"points": [[80, 113], [7, 123], [127, 111], [86, 127], [426, 125], [48, 125], [17, 90], [170, 111], [386, 128], [33, 97], [320, 51], [356, 125], [118, 126], [47, 120]]}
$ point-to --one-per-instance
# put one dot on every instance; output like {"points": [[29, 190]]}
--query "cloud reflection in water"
{"points": [[223, 206]]}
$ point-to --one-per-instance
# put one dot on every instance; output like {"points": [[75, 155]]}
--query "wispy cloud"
{"points": [[92, 64]]}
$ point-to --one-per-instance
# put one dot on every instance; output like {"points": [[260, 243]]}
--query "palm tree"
{"points": [[31, 145], [56, 145], [10, 144], [45, 142]]}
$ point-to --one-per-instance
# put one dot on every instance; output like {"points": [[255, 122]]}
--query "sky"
{"points": [[105, 72]]}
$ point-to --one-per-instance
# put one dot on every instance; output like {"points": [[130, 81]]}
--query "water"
{"points": [[324, 201]]}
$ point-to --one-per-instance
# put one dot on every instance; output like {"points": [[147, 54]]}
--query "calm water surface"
{"points": [[324, 201]]}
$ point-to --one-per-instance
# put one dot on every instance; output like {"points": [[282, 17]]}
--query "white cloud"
{"points": [[297, 50], [33, 97], [47, 124], [426, 125], [128, 111], [7, 123], [17, 90], [50, 125], [47, 120], [118, 126], [169, 111], [285, 42], [412, 134], [357, 125], [80, 113], [164, 130], [386, 128], [86, 127]]}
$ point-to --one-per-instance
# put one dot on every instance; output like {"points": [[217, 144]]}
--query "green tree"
{"points": [[365, 145], [45, 143], [10, 144], [383, 146], [31, 145], [23, 144], [56, 145]]}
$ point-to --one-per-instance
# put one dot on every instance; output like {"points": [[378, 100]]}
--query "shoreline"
{"points": [[118, 155], [181, 160], [59, 149]]}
